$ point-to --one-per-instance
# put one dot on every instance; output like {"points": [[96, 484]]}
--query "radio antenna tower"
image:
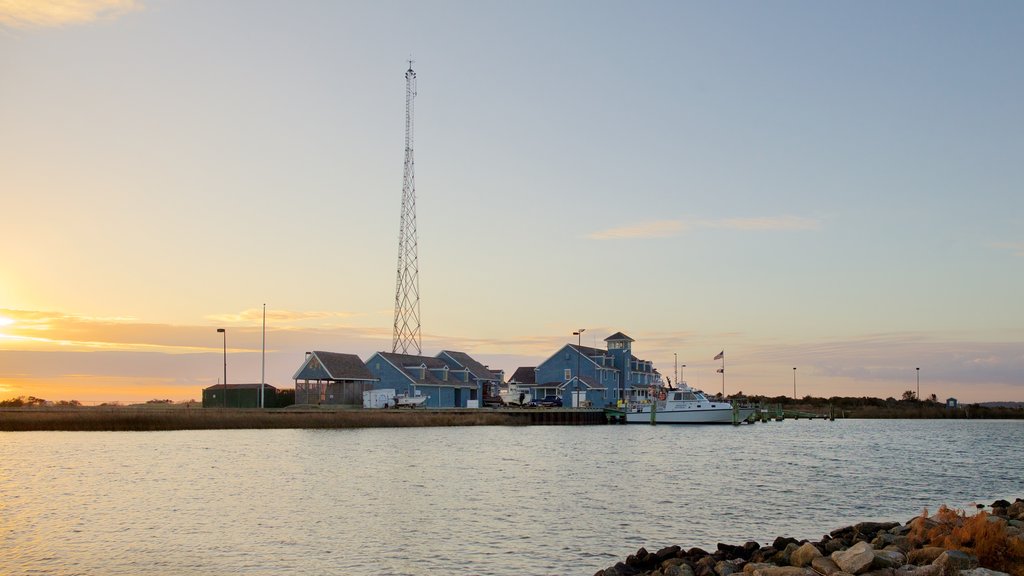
{"points": [[407, 289]]}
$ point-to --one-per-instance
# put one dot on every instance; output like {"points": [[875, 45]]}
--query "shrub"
{"points": [[981, 535]]}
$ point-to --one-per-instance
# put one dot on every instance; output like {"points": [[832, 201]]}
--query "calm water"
{"points": [[535, 500]]}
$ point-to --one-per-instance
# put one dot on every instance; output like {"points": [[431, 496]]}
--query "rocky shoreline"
{"points": [[989, 542]]}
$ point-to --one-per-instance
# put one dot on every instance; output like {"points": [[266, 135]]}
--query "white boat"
{"points": [[516, 396], [686, 406], [406, 401]]}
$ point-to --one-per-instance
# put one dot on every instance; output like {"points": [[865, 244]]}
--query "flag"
{"points": [[720, 355], [720, 370]]}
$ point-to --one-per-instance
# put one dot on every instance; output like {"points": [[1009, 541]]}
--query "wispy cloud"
{"points": [[280, 316], [656, 229], [671, 228], [1016, 247], [55, 13]]}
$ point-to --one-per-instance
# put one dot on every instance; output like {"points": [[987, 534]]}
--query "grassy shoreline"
{"points": [[142, 418], [183, 417]]}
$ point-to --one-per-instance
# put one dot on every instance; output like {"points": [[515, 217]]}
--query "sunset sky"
{"points": [[832, 186]]}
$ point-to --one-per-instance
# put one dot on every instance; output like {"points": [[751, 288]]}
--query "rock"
{"points": [[908, 570], [783, 571], [678, 570], [695, 554], [667, 552], [704, 567], [926, 555], [1000, 504], [888, 559], [824, 565], [762, 555], [982, 572], [748, 550], [835, 545], [855, 560], [951, 562], [803, 555], [922, 524], [780, 543], [751, 566], [1016, 510], [727, 567], [783, 558]]}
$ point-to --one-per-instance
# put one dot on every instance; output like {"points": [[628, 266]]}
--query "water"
{"points": [[483, 500]]}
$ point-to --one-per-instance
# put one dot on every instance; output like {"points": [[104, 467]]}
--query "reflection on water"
{"points": [[488, 500]]}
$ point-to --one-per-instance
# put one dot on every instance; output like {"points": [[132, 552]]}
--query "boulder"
{"points": [[926, 555], [1000, 504], [803, 555], [762, 555], [667, 552], [783, 571], [704, 567], [908, 570], [888, 559], [855, 560], [1016, 510], [780, 543], [982, 572], [951, 562], [727, 567], [751, 566], [835, 545], [783, 558], [678, 570], [825, 565]]}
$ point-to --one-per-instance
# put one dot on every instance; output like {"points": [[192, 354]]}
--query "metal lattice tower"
{"points": [[407, 288]]}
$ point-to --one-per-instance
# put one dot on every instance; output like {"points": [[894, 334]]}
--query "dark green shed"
{"points": [[239, 396]]}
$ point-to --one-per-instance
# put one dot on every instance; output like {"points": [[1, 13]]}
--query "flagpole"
{"points": [[723, 374], [263, 363]]}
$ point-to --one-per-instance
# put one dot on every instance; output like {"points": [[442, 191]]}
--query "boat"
{"points": [[406, 401], [685, 406], [516, 396]]}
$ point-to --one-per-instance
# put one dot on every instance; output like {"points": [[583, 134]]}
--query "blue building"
{"points": [[450, 380], [585, 376]]}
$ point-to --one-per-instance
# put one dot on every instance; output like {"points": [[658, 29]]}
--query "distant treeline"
{"points": [[909, 406]]}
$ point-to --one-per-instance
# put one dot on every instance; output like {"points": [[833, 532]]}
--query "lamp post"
{"points": [[579, 338], [225, 333], [794, 382], [918, 370]]}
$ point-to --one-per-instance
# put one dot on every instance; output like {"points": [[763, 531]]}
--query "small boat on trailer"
{"points": [[406, 401]]}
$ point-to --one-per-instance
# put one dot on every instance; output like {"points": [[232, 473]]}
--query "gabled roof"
{"points": [[322, 365], [524, 375], [618, 336], [478, 370], [587, 381], [405, 363]]}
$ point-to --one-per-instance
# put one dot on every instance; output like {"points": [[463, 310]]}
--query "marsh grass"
{"points": [[982, 535], [151, 418]]}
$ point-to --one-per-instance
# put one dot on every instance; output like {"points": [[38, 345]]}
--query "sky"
{"points": [[830, 186]]}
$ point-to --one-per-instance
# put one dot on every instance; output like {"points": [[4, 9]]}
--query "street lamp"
{"points": [[918, 369], [794, 382], [579, 339], [225, 333]]}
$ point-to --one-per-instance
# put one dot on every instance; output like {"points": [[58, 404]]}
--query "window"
{"points": [[568, 374]]}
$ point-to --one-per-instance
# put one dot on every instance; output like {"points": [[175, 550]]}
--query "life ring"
{"points": [[662, 396]]}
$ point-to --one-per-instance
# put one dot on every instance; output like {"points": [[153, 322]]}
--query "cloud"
{"points": [[670, 228], [656, 229], [1016, 247], [56, 13], [278, 316]]}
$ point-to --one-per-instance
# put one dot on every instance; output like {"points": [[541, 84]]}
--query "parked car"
{"points": [[548, 402]]}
